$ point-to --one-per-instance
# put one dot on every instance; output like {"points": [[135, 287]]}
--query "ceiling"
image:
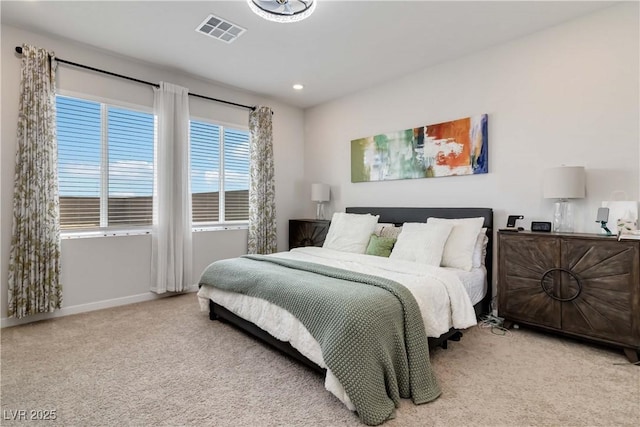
{"points": [[344, 47]]}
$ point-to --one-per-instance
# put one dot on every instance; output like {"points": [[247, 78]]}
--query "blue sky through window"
{"points": [[205, 157], [130, 134], [130, 152], [79, 147]]}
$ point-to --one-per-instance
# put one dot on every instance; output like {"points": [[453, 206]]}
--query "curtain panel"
{"points": [[171, 252], [34, 260], [262, 191]]}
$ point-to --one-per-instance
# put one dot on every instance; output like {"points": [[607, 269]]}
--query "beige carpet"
{"points": [[166, 363]]}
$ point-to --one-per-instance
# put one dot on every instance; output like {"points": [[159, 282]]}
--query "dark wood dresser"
{"points": [[307, 232], [581, 285]]}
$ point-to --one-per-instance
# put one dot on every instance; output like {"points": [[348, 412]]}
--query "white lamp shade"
{"points": [[564, 182], [320, 192]]}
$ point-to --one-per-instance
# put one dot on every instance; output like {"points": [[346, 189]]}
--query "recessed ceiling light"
{"points": [[298, 86]]}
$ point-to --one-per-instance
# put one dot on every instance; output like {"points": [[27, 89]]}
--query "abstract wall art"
{"points": [[458, 147]]}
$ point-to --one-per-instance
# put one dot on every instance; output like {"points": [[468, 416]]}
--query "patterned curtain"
{"points": [[34, 264], [262, 191]]}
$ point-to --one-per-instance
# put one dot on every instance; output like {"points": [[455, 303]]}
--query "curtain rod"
{"points": [[98, 70]]}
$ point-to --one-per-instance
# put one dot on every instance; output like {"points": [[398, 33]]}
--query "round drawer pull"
{"points": [[570, 273]]}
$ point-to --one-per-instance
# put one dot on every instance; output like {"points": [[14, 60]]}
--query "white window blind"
{"points": [[130, 145], [219, 173], [205, 167], [105, 165], [236, 175], [79, 157]]}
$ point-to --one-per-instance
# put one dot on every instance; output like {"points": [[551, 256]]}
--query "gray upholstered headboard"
{"points": [[401, 215]]}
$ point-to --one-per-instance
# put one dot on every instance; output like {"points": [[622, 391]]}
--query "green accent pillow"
{"points": [[380, 246]]}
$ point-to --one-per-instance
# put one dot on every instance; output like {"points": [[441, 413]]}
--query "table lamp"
{"points": [[564, 183], [320, 194]]}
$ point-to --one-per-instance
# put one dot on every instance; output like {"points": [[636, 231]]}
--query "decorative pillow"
{"points": [[458, 250], [390, 231], [421, 242], [480, 249], [350, 232], [381, 226], [380, 246]]}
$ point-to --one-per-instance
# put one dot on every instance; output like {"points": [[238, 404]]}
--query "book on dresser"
{"points": [[585, 286]]}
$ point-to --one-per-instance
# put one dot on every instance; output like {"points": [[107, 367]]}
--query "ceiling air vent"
{"points": [[220, 29]]}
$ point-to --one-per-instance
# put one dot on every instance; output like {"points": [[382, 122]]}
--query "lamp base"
{"points": [[320, 211], [563, 216]]}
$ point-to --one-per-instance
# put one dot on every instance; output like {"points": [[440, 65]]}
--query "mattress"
{"points": [[474, 282], [442, 294]]}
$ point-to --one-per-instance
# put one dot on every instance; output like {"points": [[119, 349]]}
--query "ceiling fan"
{"points": [[283, 10]]}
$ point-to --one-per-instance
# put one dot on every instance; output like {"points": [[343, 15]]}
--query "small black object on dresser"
{"points": [[581, 285], [541, 226], [307, 232]]}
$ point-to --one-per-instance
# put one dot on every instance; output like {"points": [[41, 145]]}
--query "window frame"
{"points": [[102, 230], [136, 230], [224, 224]]}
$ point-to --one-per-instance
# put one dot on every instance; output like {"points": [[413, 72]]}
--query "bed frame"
{"points": [[396, 216]]}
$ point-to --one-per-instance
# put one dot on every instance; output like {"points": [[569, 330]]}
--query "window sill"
{"points": [[220, 227], [67, 235]]}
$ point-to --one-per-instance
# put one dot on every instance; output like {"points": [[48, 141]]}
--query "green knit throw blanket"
{"points": [[369, 328]]}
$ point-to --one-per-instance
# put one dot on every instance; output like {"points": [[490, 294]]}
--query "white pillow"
{"points": [[458, 251], [350, 232], [421, 242], [480, 249]]}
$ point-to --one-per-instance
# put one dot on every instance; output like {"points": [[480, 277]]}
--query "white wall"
{"points": [[566, 95], [98, 272]]}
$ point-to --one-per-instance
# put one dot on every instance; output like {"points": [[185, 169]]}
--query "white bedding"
{"points": [[474, 282], [440, 293]]}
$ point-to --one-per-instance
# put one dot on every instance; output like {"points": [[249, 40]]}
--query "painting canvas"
{"points": [[458, 147]]}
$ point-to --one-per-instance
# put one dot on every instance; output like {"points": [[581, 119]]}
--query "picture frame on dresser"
{"points": [[585, 286]]}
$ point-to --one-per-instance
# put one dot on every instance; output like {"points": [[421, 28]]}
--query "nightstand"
{"points": [[307, 232], [581, 285]]}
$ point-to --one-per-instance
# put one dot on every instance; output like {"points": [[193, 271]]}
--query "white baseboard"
{"points": [[6, 322]]}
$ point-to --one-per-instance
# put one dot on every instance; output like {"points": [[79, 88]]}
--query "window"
{"points": [[105, 165], [219, 173]]}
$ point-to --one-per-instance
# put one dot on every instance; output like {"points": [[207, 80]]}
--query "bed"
{"points": [[278, 327]]}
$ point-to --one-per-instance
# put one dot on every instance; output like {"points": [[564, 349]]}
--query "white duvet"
{"points": [[442, 299]]}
